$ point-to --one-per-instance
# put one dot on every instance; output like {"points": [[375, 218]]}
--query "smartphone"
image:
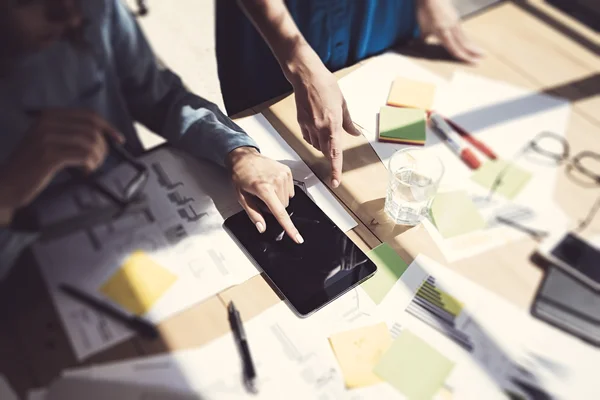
{"points": [[575, 256]]}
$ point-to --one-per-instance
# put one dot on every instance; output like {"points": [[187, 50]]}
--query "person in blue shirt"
{"points": [[75, 72], [295, 44]]}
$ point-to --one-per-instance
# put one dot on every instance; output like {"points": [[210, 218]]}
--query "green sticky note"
{"points": [[454, 214], [514, 178], [413, 367], [402, 125], [390, 268]]}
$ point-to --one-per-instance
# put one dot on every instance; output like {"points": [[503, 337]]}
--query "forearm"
{"points": [[198, 127], [277, 27], [157, 98]]}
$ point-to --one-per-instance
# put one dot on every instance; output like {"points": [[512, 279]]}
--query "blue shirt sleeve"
{"points": [[157, 98], [12, 244]]}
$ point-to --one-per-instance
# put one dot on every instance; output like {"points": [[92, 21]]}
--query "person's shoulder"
{"points": [[98, 10]]}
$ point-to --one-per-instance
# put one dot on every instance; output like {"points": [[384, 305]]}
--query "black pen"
{"points": [[242, 343], [139, 325]]}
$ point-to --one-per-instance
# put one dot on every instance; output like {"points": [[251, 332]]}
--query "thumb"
{"points": [[347, 123], [252, 210]]}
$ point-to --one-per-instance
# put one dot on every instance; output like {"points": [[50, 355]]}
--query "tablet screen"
{"points": [[311, 274]]}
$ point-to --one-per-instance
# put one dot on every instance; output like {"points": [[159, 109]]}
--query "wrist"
{"points": [[299, 62], [238, 154]]}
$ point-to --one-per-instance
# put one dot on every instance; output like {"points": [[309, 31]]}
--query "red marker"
{"points": [[471, 139], [454, 141]]}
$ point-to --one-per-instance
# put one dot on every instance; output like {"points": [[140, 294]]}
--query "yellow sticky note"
{"points": [[358, 351], [409, 93], [454, 214], [512, 177], [138, 284]]}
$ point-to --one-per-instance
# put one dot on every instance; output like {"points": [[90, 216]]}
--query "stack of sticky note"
{"points": [[404, 119], [412, 94], [402, 125]]}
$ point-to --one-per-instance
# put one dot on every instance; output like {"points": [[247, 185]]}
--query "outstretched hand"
{"points": [[440, 18], [323, 115]]}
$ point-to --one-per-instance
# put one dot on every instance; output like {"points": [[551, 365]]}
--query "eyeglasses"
{"points": [[548, 147]]}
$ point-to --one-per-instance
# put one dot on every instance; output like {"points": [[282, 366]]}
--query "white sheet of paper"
{"points": [[293, 357], [503, 116], [506, 118], [274, 146], [78, 388], [6, 391], [181, 230], [507, 343], [380, 391], [37, 394], [285, 356], [366, 90]]}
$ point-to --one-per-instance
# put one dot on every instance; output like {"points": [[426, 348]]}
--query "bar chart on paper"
{"points": [[439, 310]]}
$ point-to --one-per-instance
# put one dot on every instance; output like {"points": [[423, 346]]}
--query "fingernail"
{"points": [[299, 238], [260, 227], [335, 183]]}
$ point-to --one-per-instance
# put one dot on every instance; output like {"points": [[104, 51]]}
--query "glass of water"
{"points": [[414, 178]]}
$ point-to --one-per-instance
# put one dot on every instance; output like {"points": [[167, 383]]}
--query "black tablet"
{"points": [[308, 275]]}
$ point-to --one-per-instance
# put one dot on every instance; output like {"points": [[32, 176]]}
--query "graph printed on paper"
{"points": [[445, 313], [441, 311]]}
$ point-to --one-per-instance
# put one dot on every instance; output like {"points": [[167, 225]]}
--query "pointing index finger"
{"points": [[279, 212], [335, 156]]}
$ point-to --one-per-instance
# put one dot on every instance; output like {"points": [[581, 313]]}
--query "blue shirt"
{"points": [[342, 32], [116, 76]]}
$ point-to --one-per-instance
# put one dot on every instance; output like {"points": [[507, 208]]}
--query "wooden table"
{"points": [[529, 44]]}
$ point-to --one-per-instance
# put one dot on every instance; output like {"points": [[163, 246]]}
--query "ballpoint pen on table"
{"points": [[454, 141], [242, 344], [135, 323]]}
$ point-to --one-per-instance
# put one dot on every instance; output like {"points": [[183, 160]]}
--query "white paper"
{"points": [[181, 230], [290, 362], [294, 360], [274, 146], [379, 391], [77, 388], [6, 391], [506, 342], [37, 394], [366, 90], [502, 116]]}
